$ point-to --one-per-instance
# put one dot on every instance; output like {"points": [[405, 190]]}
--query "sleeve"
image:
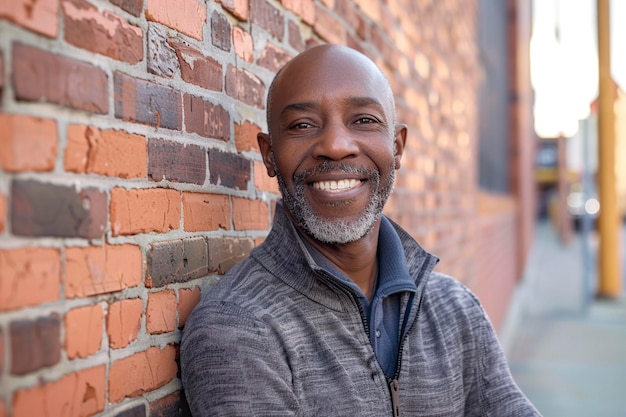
{"points": [[233, 365]]}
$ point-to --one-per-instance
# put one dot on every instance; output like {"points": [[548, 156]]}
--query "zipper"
{"points": [[394, 389]]}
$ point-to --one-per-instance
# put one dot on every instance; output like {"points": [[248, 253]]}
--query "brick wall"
{"points": [[130, 178]]}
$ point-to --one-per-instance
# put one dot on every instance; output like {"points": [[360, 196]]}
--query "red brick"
{"points": [[79, 394], [303, 8], [112, 153], [142, 372], [187, 300], [328, 27], [40, 16], [168, 406], [250, 214], [245, 87], [133, 7], [34, 344], [195, 68], [3, 212], [41, 209], [177, 162], [238, 8], [27, 143], [295, 37], [262, 181], [43, 76], [205, 212], [220, 31], [145, 102], [246, 136], [224, 252], [3, 409], [30, 276], [103, 33], [178, 260], [268, 17], [144, 211], [161, 57], [83, 331], [186, 16], [136, 411], [123, 322], [206, 119], [101, 269], [2, 354], [243, 44], [273, 58], [161, 312], [228, 169]]}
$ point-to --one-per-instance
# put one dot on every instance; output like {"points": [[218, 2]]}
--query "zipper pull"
{"points": [[394, 389]]}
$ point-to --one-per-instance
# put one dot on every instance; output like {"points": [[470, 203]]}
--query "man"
{"points": [[339, 312]]}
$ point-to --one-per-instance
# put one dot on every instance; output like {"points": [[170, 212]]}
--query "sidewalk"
{"points": [[567, 351]]}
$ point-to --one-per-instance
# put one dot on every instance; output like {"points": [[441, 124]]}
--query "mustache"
{"points": [[333, 166]]}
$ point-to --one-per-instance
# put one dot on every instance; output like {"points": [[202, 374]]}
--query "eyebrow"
{"points": [[351, 100]]}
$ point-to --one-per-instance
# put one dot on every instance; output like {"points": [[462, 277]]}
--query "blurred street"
{"points": [[567, 351]]}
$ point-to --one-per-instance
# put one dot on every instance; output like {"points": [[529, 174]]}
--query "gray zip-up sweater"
{"points": [[278, 336]]}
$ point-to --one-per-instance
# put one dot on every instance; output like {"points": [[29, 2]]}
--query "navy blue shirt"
{"points": [[383, 310]]}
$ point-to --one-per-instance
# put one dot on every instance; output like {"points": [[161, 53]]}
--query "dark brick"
{"points": [[161, 58], [268, 17], [176, 261], [123, 43], [168, 406], [1, 73], [295, 37], [133, 7], [273, 58], [146, 102], [228, 169], [245, 86], [135, 411], [224, 252], [220, 31], [35, 344], [41, 209], [174, 161], [206, 119], [196, 68], [41, 76]]}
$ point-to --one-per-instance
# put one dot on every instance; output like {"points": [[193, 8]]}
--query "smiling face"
{"points": [[333, 142]]}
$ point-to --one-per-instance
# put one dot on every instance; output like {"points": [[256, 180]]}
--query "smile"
{"points": [[336, 186]]}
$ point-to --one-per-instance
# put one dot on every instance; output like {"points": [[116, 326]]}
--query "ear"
{"points": [[266, 152], [399, 143]]}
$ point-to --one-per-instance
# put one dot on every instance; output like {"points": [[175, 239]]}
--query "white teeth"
{"points": [[335, 186]]}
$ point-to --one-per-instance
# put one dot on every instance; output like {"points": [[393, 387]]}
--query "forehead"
{"points": [[329, 74]]}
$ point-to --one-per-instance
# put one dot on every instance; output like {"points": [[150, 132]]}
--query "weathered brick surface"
{"points": [[124, 322], [133, 7], [27, 143], [206, 119], [41, 17], [43, 76], [273, 58], [145, 102], [246, 136], [161, 312], [268, 17], [245, 87], [161, 55], [220, 31], [195, 68], [151, 369], [250, 214], [295, 37], [242, 42], [228, 169], [112, 153], [187, 300], [205, 212], [78, 394], [173, 161], [238, 8], [41, 209], [262, 181], [25, 269], [186, 16], [83, 331], [134, 411], [101, 269], [328, 27], [3, 212], [168, 406], [103, 33], [224, 253], [144, 210], [177, 260], [303, 8], [34, 344]]}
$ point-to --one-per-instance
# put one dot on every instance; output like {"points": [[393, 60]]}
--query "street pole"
{"points": [[609, 282]]}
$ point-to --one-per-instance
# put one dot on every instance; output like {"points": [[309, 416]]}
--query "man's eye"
{"points": [[365, 120], [301, 125]]}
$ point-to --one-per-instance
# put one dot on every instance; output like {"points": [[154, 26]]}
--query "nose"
{"points": [[335, 142]]}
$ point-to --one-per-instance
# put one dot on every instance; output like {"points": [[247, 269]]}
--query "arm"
{"points": [[232, 365]]}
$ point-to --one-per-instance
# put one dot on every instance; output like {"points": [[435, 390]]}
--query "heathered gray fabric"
{"points": [[279, 337]]}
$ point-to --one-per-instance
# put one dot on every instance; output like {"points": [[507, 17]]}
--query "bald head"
{"points": [[327, 68]]}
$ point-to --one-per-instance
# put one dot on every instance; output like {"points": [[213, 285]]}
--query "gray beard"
{"points": [[336, 231]]}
